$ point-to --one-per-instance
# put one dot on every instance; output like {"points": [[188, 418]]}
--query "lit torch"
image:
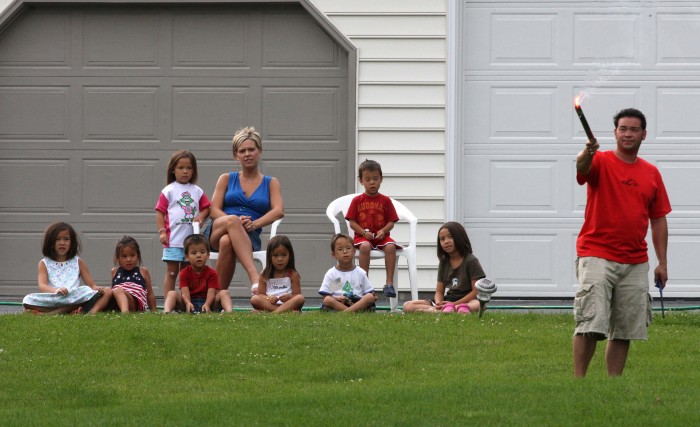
{"points": [[584, 122]]}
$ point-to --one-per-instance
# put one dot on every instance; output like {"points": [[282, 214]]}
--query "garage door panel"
{"points": [[119, 186], [678, 113], [682, 260], [678, 33], [676, 174], [523, 38], [523, 186], [293, 40], [522, 112], [519, 186], [121, 39], [35, 186], [194, 46], [20, 253], [526, 259], [206, 113], [593, 41], [317, 120], [309, 185], [514, 36], [124, 113], [34, 112], [40, 39]]}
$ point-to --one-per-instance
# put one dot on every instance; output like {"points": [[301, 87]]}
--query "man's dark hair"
{"points": [[631, 112]]}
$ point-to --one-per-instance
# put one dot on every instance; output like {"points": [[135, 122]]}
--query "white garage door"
{"points": [[95, 98], [522, 64]]}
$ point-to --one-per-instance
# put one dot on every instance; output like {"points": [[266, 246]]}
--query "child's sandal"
{"points": [[448, 308], [463, 309]]}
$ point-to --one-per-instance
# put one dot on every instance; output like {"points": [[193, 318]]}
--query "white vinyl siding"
{"points": [[402, 73]]}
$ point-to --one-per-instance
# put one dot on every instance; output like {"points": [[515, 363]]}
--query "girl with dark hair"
{"points": [[179, 205], [65, 282], [280, 284], [131, 283], [458, 272]]}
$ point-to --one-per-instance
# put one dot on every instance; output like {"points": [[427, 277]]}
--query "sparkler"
{"points": [[582, 117]]}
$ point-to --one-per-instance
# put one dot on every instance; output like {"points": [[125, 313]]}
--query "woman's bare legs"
{"points": [[223, 298], [226, 263], [230, 233]]}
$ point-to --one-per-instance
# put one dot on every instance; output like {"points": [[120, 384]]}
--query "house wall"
{"points": [[402, 97], [401, 117]]}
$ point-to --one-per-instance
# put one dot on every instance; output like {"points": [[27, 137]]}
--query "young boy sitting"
{"points": [[199, 283], [346, 287], [371, 216]]}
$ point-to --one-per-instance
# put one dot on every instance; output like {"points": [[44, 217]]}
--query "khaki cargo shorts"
{"points": [[612, 300]]}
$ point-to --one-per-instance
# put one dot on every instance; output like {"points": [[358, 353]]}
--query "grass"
{"points": [[325, 369]]}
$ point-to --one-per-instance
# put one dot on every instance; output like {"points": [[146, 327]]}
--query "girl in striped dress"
{"points": [[131, 283]]}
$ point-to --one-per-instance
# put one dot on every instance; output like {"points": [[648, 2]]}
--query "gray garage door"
{"points": [[95, 98]]}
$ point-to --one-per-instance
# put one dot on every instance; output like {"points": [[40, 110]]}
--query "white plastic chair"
{"points": [[341, 205], [259, 256]]}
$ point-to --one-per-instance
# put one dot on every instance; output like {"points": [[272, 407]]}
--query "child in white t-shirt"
{"points": [[180, 203], [346, 286]]}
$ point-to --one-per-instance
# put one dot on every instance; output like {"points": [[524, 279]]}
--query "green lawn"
{"points": [[333, 369]]}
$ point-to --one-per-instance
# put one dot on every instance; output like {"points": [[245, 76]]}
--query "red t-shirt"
{"points": [[199, 283], [372, 212], [622, 197]]}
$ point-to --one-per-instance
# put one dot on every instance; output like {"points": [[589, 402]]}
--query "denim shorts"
{"points": [[174, 254], [198, 302]]}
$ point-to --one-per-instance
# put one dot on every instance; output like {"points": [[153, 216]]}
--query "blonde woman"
{"points": [[242, 204]]}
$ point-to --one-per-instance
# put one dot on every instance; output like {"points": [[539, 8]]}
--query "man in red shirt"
{"points": [[625, 193]]}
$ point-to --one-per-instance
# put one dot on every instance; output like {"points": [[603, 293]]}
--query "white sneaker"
{"points": [[485, 288], [254, 289]]}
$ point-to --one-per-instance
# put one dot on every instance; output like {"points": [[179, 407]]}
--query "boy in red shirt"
{"points": [[199, 283], [371, 216]]}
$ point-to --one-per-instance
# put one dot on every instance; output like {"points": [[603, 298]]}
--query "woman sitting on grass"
{"points": [[458, 272]]}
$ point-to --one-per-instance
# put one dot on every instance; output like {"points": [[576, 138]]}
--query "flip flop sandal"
{"points": [[463, 309], [448, 308]]}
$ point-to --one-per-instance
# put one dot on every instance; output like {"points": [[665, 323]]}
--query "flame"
{"points": [[582, 96]]}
